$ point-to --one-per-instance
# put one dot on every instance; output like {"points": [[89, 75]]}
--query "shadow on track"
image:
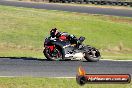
{"points": [[32, 58], [26, 58]]}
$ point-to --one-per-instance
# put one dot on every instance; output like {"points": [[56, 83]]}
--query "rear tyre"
{"points": [[55, 55], [93, 55]]}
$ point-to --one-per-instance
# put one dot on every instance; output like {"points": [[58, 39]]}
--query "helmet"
{"points": [[53, 32]]}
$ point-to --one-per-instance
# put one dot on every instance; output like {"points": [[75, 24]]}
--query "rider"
{"points": [[54, 33]]}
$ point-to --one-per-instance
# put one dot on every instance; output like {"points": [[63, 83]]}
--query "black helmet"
{"points": [[53, 32]]}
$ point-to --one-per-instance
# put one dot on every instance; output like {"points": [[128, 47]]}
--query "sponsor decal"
{"points": [[83, 78]]}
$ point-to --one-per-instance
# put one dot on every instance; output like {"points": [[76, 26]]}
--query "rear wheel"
{"points": [[54, 55], [93, 55]]}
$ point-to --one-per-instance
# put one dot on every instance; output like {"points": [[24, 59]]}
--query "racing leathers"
{"points": [[65, 36]]}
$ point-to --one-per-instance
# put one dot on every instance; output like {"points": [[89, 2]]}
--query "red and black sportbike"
{"points": [[59, 49]]}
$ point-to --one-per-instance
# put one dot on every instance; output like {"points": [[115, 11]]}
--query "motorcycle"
{"points": [[61, 49]]}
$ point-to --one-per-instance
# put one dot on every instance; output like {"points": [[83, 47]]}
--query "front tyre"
{"points": [[54, 55], [93, 55]]}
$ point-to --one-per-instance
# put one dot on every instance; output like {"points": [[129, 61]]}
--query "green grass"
{"points": [[22, 30], [28, 82]]}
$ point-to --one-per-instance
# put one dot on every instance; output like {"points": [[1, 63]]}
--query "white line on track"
{"points": [[113, 60], [38, 77], [7, 76], [64, 77]]}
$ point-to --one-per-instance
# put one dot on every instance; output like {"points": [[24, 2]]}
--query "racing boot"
{"points": [[81, 39], [79, 42]]}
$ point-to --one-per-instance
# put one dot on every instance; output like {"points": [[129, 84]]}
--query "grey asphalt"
{"points": [[41, 68], [80, 9]]}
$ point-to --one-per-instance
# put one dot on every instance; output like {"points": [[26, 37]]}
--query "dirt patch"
{"points": [[3, 86], [118, 49], [116, 19], [6, 46]]}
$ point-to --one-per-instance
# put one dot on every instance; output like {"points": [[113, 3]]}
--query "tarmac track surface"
{"points": [[34, 67], [79, 9]]}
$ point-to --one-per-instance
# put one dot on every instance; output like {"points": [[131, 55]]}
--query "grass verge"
{"points": [[22, 31], [28, 82]]}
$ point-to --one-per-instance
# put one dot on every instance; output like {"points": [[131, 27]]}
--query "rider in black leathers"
{"points": [[54, 33]]}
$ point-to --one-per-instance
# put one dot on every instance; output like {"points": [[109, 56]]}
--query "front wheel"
{"points": [[93, 55], [53, 55]]}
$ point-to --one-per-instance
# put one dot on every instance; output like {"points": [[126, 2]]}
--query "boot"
{"points": [[81, 39]]}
